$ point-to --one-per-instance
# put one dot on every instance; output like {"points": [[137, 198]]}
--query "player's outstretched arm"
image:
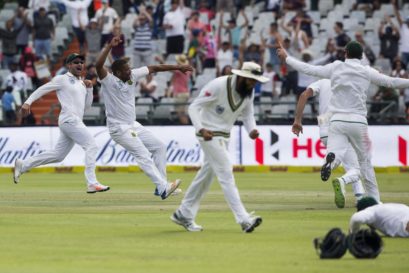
{"points": [[169, 67], [101, 71]]}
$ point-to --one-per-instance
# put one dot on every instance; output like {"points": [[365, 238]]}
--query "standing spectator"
{"points": [[93, 39], [148, 87], [205, 11], [227, 5], [293, 4], [268, 89], [253, 53], [341, 38], [180, 87], [158, 15], [78, 11], [209, 48], [107, 18], [224, 57], [27, 60], [389, 36], [234, 32], [9, 106], [290, 75], [19, 81], [195, 25], [174, 25], [8, 36], [369, 54], [20, 19], [142, 43], [305, 21], [117, 52], [404, 34], [299, 39], [271, 43], [43, 33]]}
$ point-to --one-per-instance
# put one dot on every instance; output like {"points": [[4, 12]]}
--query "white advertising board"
{"points": [[276, 146]]}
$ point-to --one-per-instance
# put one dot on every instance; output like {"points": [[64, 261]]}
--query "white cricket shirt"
{"points": [[350, 81], [390, 218], [119, 97], [177, 20], [219, 105], [72, 94]]}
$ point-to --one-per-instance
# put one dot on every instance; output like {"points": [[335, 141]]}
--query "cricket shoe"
{"points": [[176, 192], [18, 165], [253, 222], [339, 190], [326, 168], [189, 225], [96, 187], [170, 188]]}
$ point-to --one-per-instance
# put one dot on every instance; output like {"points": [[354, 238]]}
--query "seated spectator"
{"points": [[93, 40], [142, 54], [389, 37], [398, 69], [9, 44], [117, 52], [268, 89], [341, 38], [9, 106], [43, 33], [148, 87], [369, 54], [180, 89]]}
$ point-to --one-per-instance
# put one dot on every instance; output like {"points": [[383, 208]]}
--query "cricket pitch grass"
{"points": [[49, 224]]}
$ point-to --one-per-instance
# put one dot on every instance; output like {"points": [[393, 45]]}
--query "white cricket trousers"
{"points": [[343, 133], [71, 131], [350, 163], [216, 163], [148, 151]]}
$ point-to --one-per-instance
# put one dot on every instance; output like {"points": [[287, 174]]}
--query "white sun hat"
{"points": [[251, 70]]}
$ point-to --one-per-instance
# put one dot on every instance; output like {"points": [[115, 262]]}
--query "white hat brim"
{"points": [[246, 74]]}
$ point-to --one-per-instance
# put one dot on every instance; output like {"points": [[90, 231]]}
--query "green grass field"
{"points": [[49, 224]]}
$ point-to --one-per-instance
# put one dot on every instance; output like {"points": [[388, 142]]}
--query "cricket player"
{"points": [[213, 114], [390, 218], [350, 81], [322, 89], [74, 95], [118, 89]]}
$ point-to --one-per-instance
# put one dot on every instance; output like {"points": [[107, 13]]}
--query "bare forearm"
{"points": [[162, 68], [103, 56]]}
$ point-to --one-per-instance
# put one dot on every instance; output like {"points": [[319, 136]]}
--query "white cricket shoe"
{"points": [[18, 165], [96, 187], [339, 190], [253, 222], [170, 188], [189, 225]]}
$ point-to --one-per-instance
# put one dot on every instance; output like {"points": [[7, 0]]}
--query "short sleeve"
{"points": [[138, 73], [107, 80], [316, 87]]}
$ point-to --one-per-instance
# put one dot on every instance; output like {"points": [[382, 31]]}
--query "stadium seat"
{"points": [[164, 110], [143, 109], [6, 14], [315, 16]]}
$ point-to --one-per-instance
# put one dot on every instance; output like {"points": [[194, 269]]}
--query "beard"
{"points": [[243, 90]]}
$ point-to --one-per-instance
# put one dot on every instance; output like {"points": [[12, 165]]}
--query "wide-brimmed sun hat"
{"points": [[182, 59], [251, 70]]}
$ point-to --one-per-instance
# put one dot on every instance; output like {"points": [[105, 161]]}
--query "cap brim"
{"points": [[82, 57], [249, 75]]}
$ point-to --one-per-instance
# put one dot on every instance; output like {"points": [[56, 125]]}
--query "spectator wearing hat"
{"points": [[43, 33], [78, 11], [174, 25], [142, 42], [9, 106], [180, 89], [107, 17], [404, 34], [93, 40]]}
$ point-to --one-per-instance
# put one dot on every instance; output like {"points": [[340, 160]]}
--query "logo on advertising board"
{"points": [[402, 151], [9, 153], [259, 148]]}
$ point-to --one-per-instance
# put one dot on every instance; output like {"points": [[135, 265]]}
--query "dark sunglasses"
{"points": [[78, 62]]}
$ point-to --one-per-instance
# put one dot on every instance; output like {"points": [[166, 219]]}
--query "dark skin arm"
{"points": [[302, 101], [101, 71]]}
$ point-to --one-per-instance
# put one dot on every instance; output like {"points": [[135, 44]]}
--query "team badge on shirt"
{"points": [[72, 80], [219, 109]]}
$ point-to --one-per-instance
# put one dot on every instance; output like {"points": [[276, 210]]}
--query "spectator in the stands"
{"points": [[96, 86], [341, 38], [271, 43], [180, 89], [148, 87], [306, 22], [206, 12], [299, 39], [398, 69], [404, 34], [370, 55], [107, 18], [235, 31], [268, 89], [93, 39], [142, 42], [43, 33], [19, 81], [195, 25], [117, 52], [389, 37], [209, 48], [21, 19], [35, 5], [227, 70], [224, 57], [294, 4], [27, 60], [253, 53], [289, 75], [9, 106], [78, 11], [9, 46], [174, 25], [225, 5]]}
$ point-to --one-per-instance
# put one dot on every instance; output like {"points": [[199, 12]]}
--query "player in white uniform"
{"points": [[118, 89], [350, 81], [213, 114], [390, 218], [74, 95], [322, 89]]}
